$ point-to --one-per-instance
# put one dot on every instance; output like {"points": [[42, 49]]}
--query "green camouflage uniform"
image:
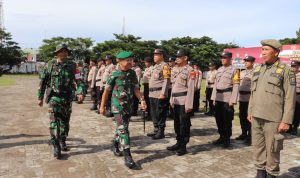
{"points": [[84, 75], [122, 84], [59, 78]]}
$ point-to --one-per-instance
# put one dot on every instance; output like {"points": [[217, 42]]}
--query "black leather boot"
{"points": [[174, 147], [159, 135], [56, 149], [94, 107], [261, 174], [219, 141], [115, 149], [63, 145], [243, 136], [182, 150], [226, 143], [152, 134], [128, 159]]}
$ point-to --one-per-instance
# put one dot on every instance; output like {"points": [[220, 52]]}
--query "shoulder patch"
{"points": [[292, 77], [192, 75], [236, 78], [166, 72]]}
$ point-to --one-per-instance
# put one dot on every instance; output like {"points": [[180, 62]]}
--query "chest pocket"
{"points": [[182, 78], [254, 82], [157, 74], [274, 86], [227, 78]]}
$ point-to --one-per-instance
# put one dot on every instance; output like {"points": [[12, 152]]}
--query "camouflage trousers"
{"points": [[121, 134], [59, 114]]}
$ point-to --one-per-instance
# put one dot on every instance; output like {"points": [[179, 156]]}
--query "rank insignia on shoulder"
{"points": [[257, 68], [192, 75]]}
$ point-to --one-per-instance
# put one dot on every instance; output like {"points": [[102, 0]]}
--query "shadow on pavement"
{"points": [[294, 172]]}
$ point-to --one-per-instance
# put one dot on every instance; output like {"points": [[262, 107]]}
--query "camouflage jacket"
{"points": [[122, 84], [59, 78], [84, 73]]}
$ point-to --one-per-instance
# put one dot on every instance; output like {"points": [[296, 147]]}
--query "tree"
{"points": [[80, 48], [10, 52], [140, 48], [287, 41]]}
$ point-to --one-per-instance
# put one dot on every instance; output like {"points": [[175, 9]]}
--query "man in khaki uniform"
{"points": [[294, 127], [224, 96], [197, 88], [92, 83], [138, 72], [158, 92], [244, 96], [210, 81], [172, 65], [109, 68], [99, 84], [146, 77], [271, 108], [182, 98]]}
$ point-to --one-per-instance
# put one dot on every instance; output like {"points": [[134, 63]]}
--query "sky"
{"points": [[244, 22]]}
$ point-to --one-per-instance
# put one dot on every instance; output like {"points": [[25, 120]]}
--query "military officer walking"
{"points": [[271, 108], [109, 68], [123, 83], [224, 96], [244, 96], [158, 92], [59, 76], [182, 98], [210, 81]]}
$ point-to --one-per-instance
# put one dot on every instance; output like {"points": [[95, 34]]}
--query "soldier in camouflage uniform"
{"points": [[84, 75], [124, 85], [58, 77]]}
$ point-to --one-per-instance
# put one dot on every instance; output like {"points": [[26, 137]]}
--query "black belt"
{"points": [[297, 93], [98, 80], [179, 94], [224, 90], [210, 83], [155, 89], [245, 92]]}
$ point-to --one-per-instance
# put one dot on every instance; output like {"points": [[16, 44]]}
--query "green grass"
{"points": [[7, 81]]}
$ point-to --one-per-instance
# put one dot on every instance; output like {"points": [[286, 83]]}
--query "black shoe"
{"points": [[248, 140], [294, 131], [115, 149], [56, 149], [159, 135], [93, 108], [174, 147], [219, 141], [261, 174], [151, 134], [128, 159], [226, 143], [241, 137], [270, 176], [63, 145], [182, 151]]}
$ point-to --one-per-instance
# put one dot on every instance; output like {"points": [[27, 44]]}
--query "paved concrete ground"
{"points": [[24, 151]]}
